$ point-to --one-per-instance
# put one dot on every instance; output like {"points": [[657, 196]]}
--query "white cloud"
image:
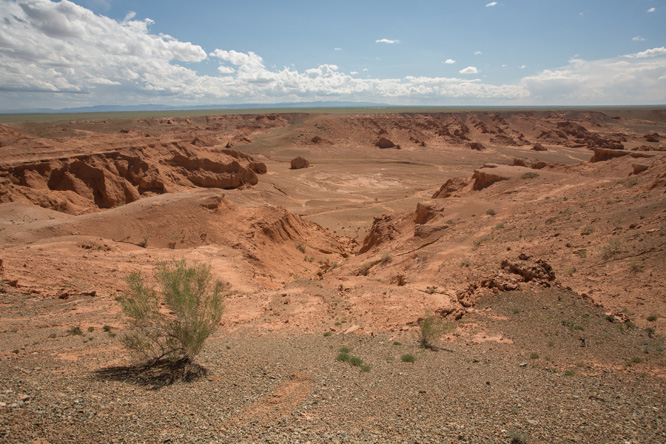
{"points": [[651, 10], [631, 79], [478, 52], [469, 70], [225, 69], [449, 61], [390, 42], [491, 4], [63, 55], [638, 38], [337, 49], [654, 52], [523, 66]]}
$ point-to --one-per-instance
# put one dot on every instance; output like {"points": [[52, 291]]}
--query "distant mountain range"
{"points": [[154, 107]]}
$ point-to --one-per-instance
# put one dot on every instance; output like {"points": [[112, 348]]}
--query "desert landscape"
{"points": [[539, 235]]}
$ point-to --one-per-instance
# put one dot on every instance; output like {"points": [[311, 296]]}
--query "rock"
{"points": [[638, 168], [477, 146], [539, 165], [654, 137], [424, 212], [529, 270], [299, 162], [450, 187], [539, 147], [481, 179], [383, 142]]}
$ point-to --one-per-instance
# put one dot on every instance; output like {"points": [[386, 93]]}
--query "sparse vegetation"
{"points": [[386, 258], [407, 358], [651, 318], [529, 175], [301, 247], [75, 331], [365, 269], [491, 212], [589, 229], [431, 329], [188, 292], [534, 355], [328, 333], [612, 249]]}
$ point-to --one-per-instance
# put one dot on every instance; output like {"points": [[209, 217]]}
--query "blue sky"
{"points": [[423, 52]]}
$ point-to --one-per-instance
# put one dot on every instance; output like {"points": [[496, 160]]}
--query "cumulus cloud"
{"points": [[638, 38], [337, 49], [385, 40], [478, 52], [654, 52], [635, 79], [651, 10], [469, 70], [491, 4], [59, 54]]}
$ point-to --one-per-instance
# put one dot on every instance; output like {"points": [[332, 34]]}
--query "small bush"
{"points": [[534, 355], [587, 230], [529, 176], [75, 331], [407, 358], [194, 301], [491, 212], [569, 373], [386, 258], [612, 249], [651, 318], [106, 328], [328, 333], [365, 269], [91, 329], [366, 368], [431, 329], [343, 357], [353, 360], [301, 247]]}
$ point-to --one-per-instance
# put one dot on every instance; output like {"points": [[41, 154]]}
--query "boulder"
{"points": [[299, 162], [383, 142], [539, 147]]}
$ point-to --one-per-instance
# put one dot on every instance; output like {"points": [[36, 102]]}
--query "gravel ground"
{"points": [[528, 367]]}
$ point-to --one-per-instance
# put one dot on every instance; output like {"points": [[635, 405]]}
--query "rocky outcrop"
{"points": [[383, 142], [539, 147], [601, 155], [299, 162], [477, 146], [482, 179], [451, 187], [85, 183]]}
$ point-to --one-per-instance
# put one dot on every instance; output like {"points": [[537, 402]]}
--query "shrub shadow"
{"points": [[153, 375]]}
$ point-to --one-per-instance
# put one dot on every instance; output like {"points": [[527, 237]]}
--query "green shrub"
{"points": [[343, 357], [194, 301], [431, 329], [328, 333], [407, 358], [491, 212], [75, 331], [651, 318]]}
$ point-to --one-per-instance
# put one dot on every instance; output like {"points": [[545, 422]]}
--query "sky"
{"points": [[63, 54]]}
